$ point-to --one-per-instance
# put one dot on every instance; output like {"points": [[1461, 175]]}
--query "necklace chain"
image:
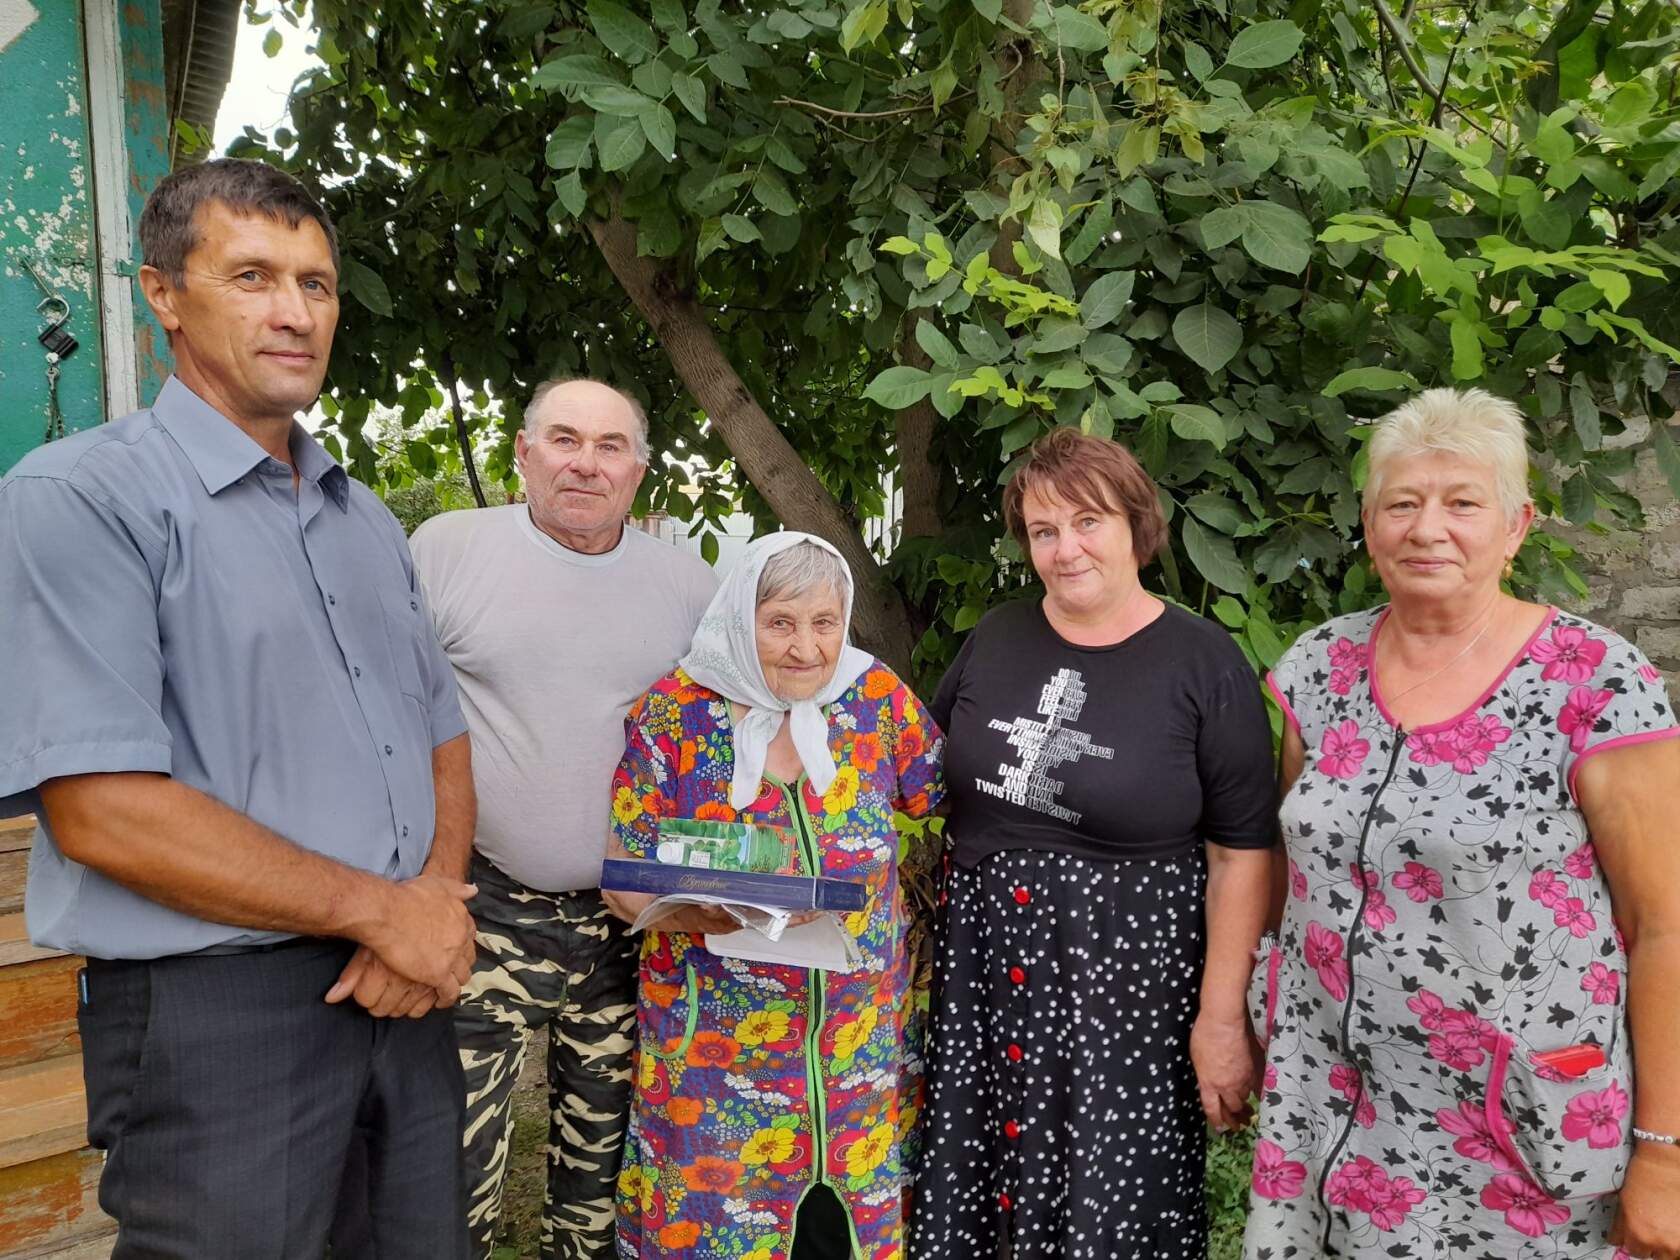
{"points": [[1464, 651]]}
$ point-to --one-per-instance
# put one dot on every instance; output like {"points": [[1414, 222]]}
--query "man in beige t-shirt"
{"points": [[555, 617]]}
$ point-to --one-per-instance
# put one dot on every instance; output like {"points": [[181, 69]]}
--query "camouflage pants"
{"points": [[558, 961]]}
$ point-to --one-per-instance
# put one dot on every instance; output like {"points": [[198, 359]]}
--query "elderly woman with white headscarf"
{"points": [[769, 1099], [1471, 1011]]}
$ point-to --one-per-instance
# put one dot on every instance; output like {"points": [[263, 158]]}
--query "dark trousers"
{"points": [[820, 1231], [225, 1094]]}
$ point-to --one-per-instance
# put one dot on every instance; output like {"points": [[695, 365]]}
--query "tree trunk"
{"points": [[880, 619], [1013, 53], [918, 475]]}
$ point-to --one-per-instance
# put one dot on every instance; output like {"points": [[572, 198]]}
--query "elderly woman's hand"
{"points": [[1227, 1062], [1648, 1220]]}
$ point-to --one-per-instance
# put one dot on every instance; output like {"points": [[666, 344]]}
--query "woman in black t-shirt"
{"points": [[1113, 806]]}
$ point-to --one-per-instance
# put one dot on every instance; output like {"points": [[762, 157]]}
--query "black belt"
{"points": [[223, 951]]}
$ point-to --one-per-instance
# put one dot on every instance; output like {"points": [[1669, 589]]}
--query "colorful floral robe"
{"points": [[1446, 921], [734, 1058]]}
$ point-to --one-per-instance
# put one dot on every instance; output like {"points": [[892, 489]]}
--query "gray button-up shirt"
{"points": [[169, 604]]}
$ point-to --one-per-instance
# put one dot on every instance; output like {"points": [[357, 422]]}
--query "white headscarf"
{"points": [[724, 657]]}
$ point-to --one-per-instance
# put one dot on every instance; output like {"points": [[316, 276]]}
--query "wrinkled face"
{"points": [[253, 324], [1436, 529], [1083, 555], [799, 641], [579, 461]]}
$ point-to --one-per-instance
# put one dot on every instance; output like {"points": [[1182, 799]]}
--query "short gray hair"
{"points": [[167, 234], [802, 568], [543, 390], [1470, 423]]}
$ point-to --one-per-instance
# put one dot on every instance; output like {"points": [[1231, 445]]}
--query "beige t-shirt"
{"points": [[550, 648]]}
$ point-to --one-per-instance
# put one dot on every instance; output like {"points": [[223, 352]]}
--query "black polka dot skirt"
{"points": [[1063, 1117]]}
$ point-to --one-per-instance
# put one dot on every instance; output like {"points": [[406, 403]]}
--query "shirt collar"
{"points": [[221, 452]]}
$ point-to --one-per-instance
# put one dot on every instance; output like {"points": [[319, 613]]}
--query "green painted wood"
{"points": [[146, 112], [46, 215]]}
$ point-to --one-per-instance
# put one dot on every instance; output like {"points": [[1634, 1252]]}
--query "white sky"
{"points": [[256, 92]]}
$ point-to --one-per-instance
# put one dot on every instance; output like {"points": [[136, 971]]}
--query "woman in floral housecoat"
{"points": [[1473, 1010], [770, 1100]]}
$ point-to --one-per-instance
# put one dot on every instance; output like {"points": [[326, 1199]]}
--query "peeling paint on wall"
{"points": [[47, 219]]}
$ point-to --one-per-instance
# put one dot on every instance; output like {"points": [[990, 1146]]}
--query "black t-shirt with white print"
{"points": [[1142, 749]]}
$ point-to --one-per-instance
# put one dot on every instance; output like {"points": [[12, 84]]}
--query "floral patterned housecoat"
{"points": [[734, 1058], [1446, 920]]}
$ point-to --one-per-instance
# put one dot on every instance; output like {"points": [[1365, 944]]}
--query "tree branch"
{"points": [[1403, 46], [824, 110], [914, 427], [798, 498], [461, 435]]}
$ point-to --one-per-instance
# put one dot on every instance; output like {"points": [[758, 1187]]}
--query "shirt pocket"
{"points": [[407, 632], [1572, 1137]]}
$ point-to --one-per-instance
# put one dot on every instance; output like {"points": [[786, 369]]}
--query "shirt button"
{"points": [[1015, 1053], [1022, 896], [1017, 976], [387, 750], [1011, 1130], [331, 600], [405, 831], [414, 605], [356, 670]]}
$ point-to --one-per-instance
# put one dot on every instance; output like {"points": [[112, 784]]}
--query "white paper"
{"points": [[823, 942]]}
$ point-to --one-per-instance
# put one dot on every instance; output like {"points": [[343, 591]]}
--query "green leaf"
{"points": [[1583, 409], [1196, 60], [1631, 103], [669, 15], [1613, 284], [740, 228], [568, 147], [1196, 423], [771, 191], [661, 130], [991, 10], [1264, 44], [898, 387], [863, 24], [1579, 504], [1276, 236], [574, 70], [1019, 433], [1074, 28], [1222, 225], [710, 240], [615, 99], [1214, 557], [270, 45], [935, 344], [1209, 336], [692, 93], [1374, 379], [624, 34], [618, 141], [1044, 226], [1106, 298], [1467, 350], [367, 286], [569, 192], [1218, 511]]}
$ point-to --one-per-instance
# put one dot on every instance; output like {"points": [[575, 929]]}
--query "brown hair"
{"points": [[1088, 472], [167, 232]]}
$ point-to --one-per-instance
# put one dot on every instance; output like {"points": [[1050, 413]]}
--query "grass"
{"points": [[516, 1239]]}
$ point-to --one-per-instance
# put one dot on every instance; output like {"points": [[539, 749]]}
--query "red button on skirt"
{"points": [[1014, 1052], [1011, 1130], [1022, 896], [1003, 1202], [1017, 975]]}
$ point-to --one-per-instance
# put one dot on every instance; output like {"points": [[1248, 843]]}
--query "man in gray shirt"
{"points": [[556, 617], [225, 704]]}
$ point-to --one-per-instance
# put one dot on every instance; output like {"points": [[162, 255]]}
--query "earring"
{"points": [[1510, 567]]}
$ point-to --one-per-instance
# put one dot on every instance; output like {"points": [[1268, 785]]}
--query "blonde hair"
{"points": [[1470, 423]]}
